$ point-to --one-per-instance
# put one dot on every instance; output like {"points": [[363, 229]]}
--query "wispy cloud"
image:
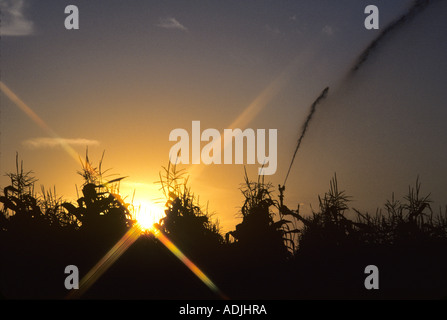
{"points": [[58, 142], [171, 23], [328, 30], [272, 30], [14, 22]]}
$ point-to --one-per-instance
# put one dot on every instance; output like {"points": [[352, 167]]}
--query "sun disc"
{"points": [[149, 214]]}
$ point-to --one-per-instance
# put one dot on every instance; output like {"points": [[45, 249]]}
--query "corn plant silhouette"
{"points": [[101, 208], [411, 221], [20, 202], [258, 232], [186, 222], [329, 227]]}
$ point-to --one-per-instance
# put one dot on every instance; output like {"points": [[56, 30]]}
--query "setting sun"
{"points": [[149, 213]]}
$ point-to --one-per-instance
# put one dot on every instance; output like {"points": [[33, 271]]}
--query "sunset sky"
{"points": [[135, 70]]}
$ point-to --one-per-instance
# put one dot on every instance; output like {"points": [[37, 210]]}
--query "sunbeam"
{"points": [[123, 244], [106, 262], [38, 120], [262, 100], [191, 266]]}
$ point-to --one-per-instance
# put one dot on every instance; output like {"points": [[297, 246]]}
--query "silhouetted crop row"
{"points": [[274, 252]]}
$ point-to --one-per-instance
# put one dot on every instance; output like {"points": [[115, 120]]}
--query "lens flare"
{"points": [[187, 262], [145, 224], [106, 262], [38, 120]]}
